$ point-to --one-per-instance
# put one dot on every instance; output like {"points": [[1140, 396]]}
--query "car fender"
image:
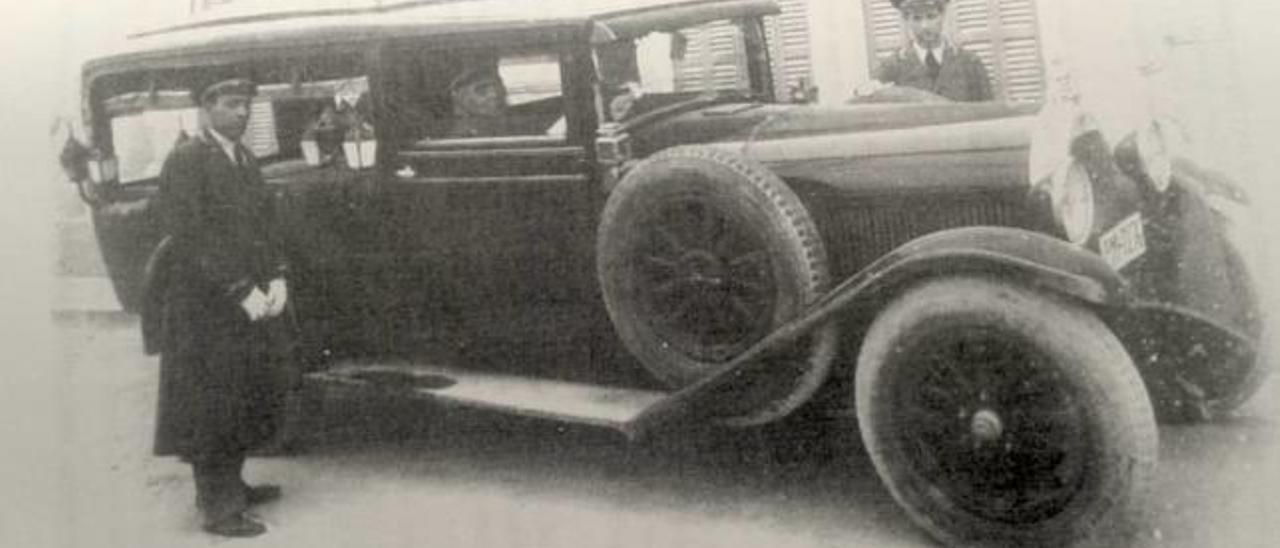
{"points": [[1033, 258], [1008, 253]]}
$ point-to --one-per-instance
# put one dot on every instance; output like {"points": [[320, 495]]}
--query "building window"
{"points": [[1003, 33]]}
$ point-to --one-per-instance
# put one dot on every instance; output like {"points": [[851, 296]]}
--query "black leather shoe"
{"points": [[262, 494], [238, 524]]}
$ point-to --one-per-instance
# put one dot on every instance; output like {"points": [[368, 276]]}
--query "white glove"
{"points": [[277, 297], [255, 305]]}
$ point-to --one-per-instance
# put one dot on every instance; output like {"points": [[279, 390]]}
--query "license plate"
{"points": [[1124, 242]]}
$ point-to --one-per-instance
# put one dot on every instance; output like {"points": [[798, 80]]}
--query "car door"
{"points": [[494, 229]]}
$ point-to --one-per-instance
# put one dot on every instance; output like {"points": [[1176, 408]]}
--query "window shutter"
{"points": [[260, 135], [713, 59], [1021, 74], [885, 31], [1000, 32], [971, 26], [789, 40]]}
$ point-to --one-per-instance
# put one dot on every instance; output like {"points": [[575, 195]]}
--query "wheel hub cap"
{"points": [[700, 267], [986, 425]]}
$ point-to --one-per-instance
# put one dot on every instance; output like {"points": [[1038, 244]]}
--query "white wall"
{"points": [[1199, 61], [1092, 44], [838, 46], [1212, 64]]}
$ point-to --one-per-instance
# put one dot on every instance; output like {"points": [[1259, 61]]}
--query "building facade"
{"points": [[834, 45], [813, 45]]}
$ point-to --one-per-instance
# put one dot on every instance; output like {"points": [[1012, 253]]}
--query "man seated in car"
{"points": [[479, 102], [619, 77], [481, 107]]}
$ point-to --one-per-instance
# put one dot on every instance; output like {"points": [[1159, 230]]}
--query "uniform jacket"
{"points": [[219, 384], [962, 77]]}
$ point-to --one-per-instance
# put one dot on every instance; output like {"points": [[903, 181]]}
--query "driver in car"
{"points": [[479, 102]]}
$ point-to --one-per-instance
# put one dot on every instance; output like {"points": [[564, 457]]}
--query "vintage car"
{"points": [[1004, 297]]}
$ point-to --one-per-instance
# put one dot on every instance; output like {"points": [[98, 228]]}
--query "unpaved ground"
{"points": [[395, 473]]}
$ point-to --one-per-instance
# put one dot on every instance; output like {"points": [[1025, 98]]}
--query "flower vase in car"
{"points": [[311, 148]]}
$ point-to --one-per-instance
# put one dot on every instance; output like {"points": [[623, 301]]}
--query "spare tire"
{"points": [[701, 253]]}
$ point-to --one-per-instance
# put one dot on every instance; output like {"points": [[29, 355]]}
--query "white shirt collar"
{"points": [[921, 53], [228, 146]]}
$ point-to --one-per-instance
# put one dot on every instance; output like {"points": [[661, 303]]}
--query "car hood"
{"points": [[783, 133]]}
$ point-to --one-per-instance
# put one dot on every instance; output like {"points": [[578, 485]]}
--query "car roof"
{"points": [[239, 34]]}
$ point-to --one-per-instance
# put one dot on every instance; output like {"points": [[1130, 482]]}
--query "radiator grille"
{"points": [[860, 231]]}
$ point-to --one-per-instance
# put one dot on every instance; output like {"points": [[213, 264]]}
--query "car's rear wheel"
{"points": [[701, 253], [997, 414]]}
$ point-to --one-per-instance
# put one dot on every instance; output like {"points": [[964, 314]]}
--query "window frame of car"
{"points": [[575, 93], [758, 66], [118, 80]]}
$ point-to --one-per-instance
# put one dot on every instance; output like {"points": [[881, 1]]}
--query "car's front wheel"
{"points": [[997, 414]]}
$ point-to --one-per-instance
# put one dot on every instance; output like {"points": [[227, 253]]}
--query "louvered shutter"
{"points": [[885, 31], [1021, 74], [260, 135], [1000, 32], [713, 60], [971, 25], [788, 34]]}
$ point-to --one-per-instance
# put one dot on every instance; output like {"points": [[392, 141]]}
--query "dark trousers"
{"points": [[220, 489]]}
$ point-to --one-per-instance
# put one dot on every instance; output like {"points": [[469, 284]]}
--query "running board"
{"points": [[608, 407]]}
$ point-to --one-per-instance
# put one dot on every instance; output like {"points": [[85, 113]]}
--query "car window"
{"points": [[456, 95], [668, 65], [306, 115], [143, 137]]}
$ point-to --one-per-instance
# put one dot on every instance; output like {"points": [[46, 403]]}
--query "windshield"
{"points": [[668, 65]]}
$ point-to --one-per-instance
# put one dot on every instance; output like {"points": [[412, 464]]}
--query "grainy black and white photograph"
{"points": [[637, 273]]}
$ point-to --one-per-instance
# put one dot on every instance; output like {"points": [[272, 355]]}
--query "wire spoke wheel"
{"points": [[702, 303], [700, 254], [996, 414], [1008, 457]]}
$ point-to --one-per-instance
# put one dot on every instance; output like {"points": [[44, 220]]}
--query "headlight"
{"points": [[1154, 159], [1072, 197]]}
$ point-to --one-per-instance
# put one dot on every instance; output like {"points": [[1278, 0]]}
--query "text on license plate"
{"points": [[1124, 242]]}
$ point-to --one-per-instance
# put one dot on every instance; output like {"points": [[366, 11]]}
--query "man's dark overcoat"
{"points": [[962, 77], [220, 386]]}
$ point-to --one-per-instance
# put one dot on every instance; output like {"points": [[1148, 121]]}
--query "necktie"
{"points": [[240, 158], [932, 66]]}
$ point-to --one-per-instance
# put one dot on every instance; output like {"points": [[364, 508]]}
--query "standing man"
{"points": [[218, 293], [931, 62]]}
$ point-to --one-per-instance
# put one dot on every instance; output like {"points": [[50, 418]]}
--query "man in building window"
{"points": [[931, 62]]}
